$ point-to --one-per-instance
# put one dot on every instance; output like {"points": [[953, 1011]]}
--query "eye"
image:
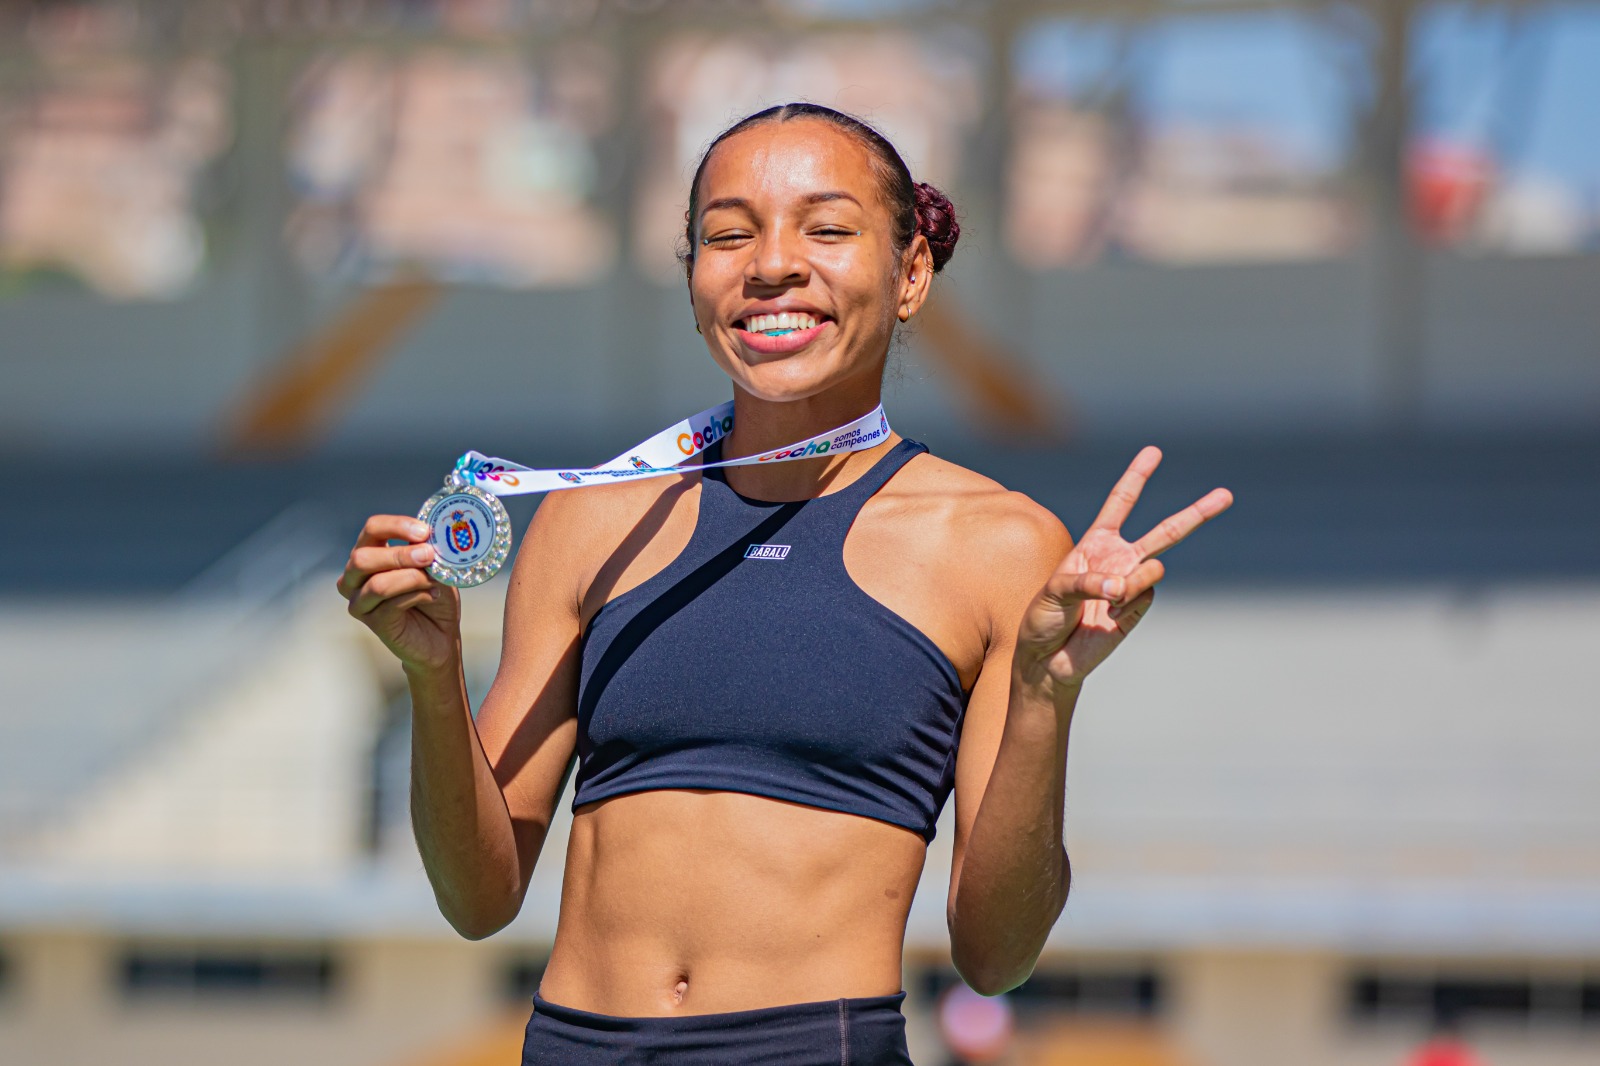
{"points": [[712, 240], [835, 232]]}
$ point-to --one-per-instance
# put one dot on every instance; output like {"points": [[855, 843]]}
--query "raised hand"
{"points": [[391, 592], [1105, 584]]}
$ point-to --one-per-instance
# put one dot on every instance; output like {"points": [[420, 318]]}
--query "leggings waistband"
{"points": [[861, 1031], [727, 1022]]}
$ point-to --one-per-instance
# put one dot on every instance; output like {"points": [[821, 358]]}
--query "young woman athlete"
{"points": [[764, 744]]}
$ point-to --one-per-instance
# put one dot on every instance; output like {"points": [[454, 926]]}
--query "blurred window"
{"points": [[470, 166], [864, 9], [1505, 157], [1182, 139], [522, 977], [1100, 991], [106, 157], [922, 90], [205, 973], [456, 18], [1422, 1000]]}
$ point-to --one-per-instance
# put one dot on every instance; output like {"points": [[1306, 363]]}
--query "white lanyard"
{"points": [[660, 455], [471, 532]]}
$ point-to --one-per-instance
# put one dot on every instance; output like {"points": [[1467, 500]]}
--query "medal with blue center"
{"points": [[470, 533]]}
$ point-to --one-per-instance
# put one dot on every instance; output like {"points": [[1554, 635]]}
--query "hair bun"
{"points": [[936, 220]]}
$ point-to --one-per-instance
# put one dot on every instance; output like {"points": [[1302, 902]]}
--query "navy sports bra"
{"points": [[753, 663]]}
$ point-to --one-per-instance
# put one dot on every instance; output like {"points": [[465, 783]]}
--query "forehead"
{"points": [[780, 161]]}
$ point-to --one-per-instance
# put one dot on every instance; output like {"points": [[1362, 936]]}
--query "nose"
{"points": [[777, 258]]}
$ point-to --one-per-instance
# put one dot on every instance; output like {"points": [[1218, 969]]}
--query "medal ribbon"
{"points": [[661, 454]]}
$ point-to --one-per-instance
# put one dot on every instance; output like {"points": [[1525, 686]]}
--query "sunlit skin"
{"points": [[696, 901]]}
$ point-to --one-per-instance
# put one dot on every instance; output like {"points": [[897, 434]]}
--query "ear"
{"points": [[916, 275]]}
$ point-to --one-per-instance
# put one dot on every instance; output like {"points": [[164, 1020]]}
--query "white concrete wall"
{"points": [[265, 774]]}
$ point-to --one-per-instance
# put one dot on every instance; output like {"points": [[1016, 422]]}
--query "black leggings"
{"points": [[835, 1032]]}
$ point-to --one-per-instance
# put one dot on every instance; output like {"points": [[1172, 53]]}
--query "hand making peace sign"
{"points": [[1105, 584]]}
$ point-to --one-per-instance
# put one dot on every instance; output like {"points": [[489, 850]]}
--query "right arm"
{"points": [[482, 793]]}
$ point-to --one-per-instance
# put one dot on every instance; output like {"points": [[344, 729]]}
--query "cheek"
{"points": [[858, 283], [699, 290]]}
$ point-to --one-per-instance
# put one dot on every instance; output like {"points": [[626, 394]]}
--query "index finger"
{"points": [[1125, 493], [1174, 528], [382, 528]]}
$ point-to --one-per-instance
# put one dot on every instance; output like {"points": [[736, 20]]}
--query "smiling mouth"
{"points": [[780, 325]]}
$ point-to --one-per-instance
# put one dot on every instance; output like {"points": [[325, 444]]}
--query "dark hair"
{"points": [[916, 207]]}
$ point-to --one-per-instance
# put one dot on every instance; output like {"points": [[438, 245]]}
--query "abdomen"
{"points": [[733, 900]]}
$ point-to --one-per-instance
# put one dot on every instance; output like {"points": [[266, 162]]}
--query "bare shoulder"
{"points": [[980, 517], [597, 508], [574, 534]]}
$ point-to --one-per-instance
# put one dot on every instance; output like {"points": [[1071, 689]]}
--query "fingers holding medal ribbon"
{"points": [[471, 532]]}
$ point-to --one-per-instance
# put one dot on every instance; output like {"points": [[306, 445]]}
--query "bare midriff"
{"points": [[699, 902]]}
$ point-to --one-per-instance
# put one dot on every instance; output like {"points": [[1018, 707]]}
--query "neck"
{"points": [[762, 425]]}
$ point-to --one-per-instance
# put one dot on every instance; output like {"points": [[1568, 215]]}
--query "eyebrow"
{"points": [[737, 202]]}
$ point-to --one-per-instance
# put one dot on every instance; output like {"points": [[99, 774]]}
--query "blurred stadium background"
{"points": [[267, 266]]}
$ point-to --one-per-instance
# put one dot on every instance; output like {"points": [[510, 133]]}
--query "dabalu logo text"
{"points": [[767, 551]]}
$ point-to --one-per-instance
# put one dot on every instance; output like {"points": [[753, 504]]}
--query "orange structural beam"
{"points": [[1003, 394], [303, 392], [1092, 1042], [495, 1044]]}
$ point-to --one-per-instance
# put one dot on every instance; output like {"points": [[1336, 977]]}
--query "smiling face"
{"points": [[792, 301]]}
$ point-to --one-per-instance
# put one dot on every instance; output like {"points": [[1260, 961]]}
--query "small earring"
{"points": [[698, 330]]}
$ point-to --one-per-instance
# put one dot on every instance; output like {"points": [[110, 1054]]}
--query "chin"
{"points": [[787, 389], [797, 377]]}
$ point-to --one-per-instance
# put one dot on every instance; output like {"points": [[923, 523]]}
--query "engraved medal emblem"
{"points": [[470, 533]]}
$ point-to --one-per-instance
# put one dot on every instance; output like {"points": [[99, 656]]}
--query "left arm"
{"points": [[1010, 874]]}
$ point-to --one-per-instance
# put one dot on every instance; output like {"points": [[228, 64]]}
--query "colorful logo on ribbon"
{"points": [[704, 437]]}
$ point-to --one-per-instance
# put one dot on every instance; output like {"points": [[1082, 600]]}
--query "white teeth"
{"points": [[787, 320]]}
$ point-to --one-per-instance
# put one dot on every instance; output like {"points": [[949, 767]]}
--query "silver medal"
{"points": [[470, 533]]}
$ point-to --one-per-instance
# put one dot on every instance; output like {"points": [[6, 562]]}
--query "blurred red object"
{"points": [[1445, 186], [1444, 1051]]}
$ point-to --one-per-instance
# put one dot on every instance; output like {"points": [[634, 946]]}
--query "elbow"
{"points": [[996, 956], [989, 971], [990, 978], [482, 915], [478, 925], [478, 931]]}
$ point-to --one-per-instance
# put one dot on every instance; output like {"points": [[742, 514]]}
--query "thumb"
{"points": [[1090, 585]]}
